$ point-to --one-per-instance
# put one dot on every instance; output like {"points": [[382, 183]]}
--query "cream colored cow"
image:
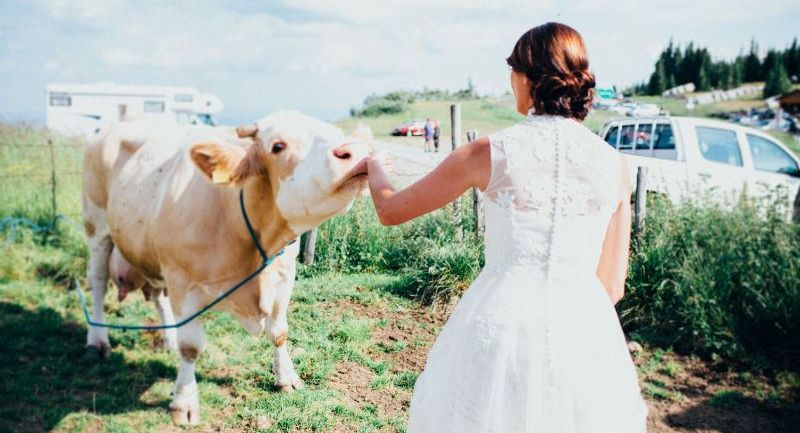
{"points": [[167, 201]]}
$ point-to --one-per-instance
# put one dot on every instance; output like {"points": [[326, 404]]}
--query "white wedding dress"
{"points": [[535, 344]]}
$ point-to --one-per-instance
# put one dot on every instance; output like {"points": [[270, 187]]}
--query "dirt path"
{"points": [[684, 394], [410, 162]]}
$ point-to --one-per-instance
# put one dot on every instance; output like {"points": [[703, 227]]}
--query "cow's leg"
{"points": [[286, 379], [185, 406], [164, 308], [99, 252]]}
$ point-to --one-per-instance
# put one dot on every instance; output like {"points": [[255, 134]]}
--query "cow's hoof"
{"points": [[188, 414], [291, 386], [96, 353]]}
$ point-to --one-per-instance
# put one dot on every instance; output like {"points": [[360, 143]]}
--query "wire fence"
{"points": [[40, 176]]}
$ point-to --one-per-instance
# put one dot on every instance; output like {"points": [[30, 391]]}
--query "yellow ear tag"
{"points": [[220, 175]]}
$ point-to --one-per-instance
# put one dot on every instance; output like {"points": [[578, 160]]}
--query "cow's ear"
{"points": [[217, 161], [227, 164]]}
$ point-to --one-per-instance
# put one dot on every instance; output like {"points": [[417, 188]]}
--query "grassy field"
{"points": [[360, 320], [357, 341], [485, 115], [493, 114]]}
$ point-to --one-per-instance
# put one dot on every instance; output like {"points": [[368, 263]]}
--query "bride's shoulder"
{"points": [[521, 132]]}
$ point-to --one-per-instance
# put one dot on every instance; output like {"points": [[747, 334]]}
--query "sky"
{"points": [[323, 57]]}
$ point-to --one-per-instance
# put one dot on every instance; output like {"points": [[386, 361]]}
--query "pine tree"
{"points": [[676, 67], [658, 80], [777, 82], [736, 72], [772, 58], [791, 60], [752, 65], [703, 83]]}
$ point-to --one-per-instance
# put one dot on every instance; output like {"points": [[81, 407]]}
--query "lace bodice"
{"points": [[553, 189]]}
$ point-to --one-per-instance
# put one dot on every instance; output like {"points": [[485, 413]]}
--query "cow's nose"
{"points": [[343, 152]]}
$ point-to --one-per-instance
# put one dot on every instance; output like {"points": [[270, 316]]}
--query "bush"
{"points": [[716, 282], [390, 103], [422, 250]]}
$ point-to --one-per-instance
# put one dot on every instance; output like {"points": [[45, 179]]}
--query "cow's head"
{"points": [[310, 165]]}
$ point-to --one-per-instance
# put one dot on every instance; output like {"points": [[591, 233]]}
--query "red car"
{"points": [[413, 127]]}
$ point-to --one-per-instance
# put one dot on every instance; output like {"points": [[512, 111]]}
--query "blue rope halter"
{"points": [[265, 261]]}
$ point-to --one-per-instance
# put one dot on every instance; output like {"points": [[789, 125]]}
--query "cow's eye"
{"points": [[278, 147]]}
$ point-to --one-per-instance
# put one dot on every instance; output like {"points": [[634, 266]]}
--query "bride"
{"points": [[535, 344]]}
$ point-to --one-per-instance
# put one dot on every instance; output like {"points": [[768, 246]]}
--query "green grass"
{"points": [[48, 385], [485, 115], [26, 182], [489, 115]]}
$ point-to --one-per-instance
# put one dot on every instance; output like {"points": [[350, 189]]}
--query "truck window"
{"points": [[719, 145], [643, 135], [767, 156], [612, 135], [663, 138], [626, 136]]}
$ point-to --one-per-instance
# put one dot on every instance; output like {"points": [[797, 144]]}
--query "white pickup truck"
{"points": [[691, 157]]}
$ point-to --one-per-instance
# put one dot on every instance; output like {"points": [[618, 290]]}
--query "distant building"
{"points": [[790, 102], [76, 109], [679, 90]]}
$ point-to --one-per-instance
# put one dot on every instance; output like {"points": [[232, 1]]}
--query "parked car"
{"points": [[622, 109], [644, 110], [691, 157], [412, 127]]}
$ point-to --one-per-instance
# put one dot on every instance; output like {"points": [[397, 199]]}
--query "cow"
{"points": [[167, 200]]}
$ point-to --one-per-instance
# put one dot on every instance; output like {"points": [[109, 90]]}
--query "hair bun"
{"points": [[553, 57], [564, 95]]}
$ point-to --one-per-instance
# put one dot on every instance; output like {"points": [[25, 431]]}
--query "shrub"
{"points": [[717, 282], [390, 103], [422, 250]]}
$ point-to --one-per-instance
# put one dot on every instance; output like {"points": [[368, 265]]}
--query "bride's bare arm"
{"points": [[465, 167], [613, 268]]}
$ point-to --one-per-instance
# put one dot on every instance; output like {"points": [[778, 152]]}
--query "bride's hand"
{"points": [[382, 159]]}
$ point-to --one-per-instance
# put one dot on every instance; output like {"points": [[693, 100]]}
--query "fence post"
{"points": [[310, 247], [53, 178], [640, 201], [796, 208], [455, 123], [477, 198]]}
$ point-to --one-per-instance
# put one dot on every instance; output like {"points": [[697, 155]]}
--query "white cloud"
{"points": [[328, 55]]}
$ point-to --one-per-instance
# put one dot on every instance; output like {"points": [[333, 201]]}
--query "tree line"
{"points": [[693, 64], [399, 101]]}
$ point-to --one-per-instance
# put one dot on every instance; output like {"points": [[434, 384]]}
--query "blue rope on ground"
{"points": [[13, 223], [266, 261]]}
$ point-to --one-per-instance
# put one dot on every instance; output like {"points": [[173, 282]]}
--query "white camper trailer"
{"points": [[78, 108]]}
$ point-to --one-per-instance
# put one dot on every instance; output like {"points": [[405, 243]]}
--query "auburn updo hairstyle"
{"points": [[553, 58]]}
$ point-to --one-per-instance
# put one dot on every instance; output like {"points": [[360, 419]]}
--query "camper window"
{"points": [[60, 101], [153, 106]]}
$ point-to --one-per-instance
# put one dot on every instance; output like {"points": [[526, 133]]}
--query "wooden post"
{"points": [[640, 201], [455, 123], [54, 203], [477, 198], [796, 208], [310, 247]]}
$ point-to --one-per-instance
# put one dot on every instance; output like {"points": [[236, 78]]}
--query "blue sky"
{"points": [[323, 57]]}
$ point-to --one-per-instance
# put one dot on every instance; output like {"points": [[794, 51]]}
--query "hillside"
{"points": [[490, 114]]}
